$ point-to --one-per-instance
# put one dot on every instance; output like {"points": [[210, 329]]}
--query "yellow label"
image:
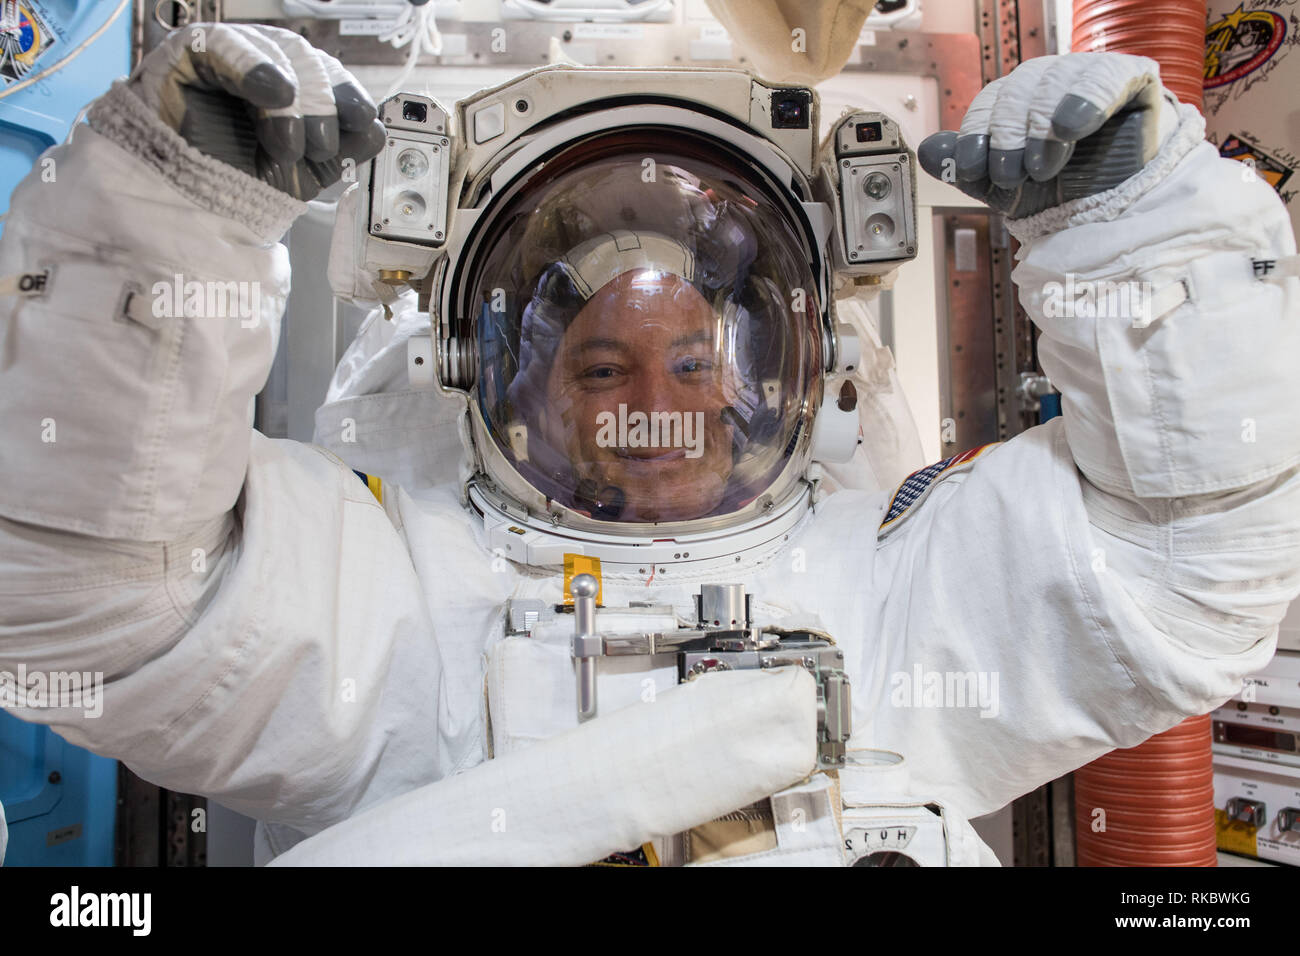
{"points": [[1234, 835], [575, 564]]}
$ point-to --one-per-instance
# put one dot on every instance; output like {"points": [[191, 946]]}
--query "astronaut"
{"points": [[342, 664]]}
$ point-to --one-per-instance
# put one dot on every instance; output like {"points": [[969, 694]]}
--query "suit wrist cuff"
{"points": [[125, 119], [1112, 203]]}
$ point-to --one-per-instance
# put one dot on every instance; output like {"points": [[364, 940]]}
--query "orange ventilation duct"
{"points": [[1171, 32], [1152, 805]]}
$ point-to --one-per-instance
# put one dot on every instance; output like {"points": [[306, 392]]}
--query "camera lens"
{"points": [[414, 112], [410, 205], [412, 163], [790, 109], [876, 185], [788, 112], [869, 133], [880, 230]]}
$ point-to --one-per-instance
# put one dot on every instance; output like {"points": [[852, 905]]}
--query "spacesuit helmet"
{"points": [[648, 334], [632, 288]]}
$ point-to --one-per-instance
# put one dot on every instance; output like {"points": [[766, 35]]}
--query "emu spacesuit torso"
{"points": [[337, 666]]}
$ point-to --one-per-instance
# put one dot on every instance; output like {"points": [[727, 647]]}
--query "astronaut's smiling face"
{"points": [[636, 397]]}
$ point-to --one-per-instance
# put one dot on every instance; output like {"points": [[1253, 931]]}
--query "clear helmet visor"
{"points": [[648, 336]]}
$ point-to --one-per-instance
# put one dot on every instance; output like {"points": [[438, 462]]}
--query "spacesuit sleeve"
{"points": [[247, 604], [130, 370], [1099, 578]]}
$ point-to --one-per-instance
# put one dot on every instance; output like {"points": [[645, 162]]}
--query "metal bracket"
{"points": [[724, 639]]}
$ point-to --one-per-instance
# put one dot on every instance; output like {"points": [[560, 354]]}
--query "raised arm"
{"points": [[147, 533], [1117, 570]]}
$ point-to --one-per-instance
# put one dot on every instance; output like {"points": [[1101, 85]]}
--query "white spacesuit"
{"points": [[339, 659]]}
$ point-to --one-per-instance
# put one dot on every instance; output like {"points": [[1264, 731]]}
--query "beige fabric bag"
{"points": [[794, 41]]}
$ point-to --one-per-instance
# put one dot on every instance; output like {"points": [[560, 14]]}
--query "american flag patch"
{"points": [[916, 485], [375, 485], [643, 855]]}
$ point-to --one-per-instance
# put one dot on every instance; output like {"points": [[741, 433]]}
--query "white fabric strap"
{"points": [[1174, 294], [1161, 303], [68, 287], [149, 301]]}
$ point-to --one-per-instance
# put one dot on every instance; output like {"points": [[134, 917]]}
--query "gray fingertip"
{"points": [[1076, 118], [977, 188], [1007, 167], [322, 137], [1044, 158], [283, 137], [972, 156], [295, 179], [355, 108], [326, 174], [935, 154], [270, 170], [361, 145], [267, 87]]}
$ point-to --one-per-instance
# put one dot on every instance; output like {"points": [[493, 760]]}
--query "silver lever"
{"points": [[586, 642]]}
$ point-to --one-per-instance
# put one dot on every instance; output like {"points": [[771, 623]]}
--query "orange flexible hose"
{"points": [[1171, 32], [1151, 805], [1156, 800]]}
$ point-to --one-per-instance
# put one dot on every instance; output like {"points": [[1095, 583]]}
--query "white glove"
{"points": [[700, 750], [263, 100], [1056, 128]]}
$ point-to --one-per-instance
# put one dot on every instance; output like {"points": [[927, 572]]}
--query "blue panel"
{"points": [[40, 115], [60, 800]]}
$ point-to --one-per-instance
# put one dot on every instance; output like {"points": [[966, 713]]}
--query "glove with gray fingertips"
{"points": [[1057, 128], [264, 101]]}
